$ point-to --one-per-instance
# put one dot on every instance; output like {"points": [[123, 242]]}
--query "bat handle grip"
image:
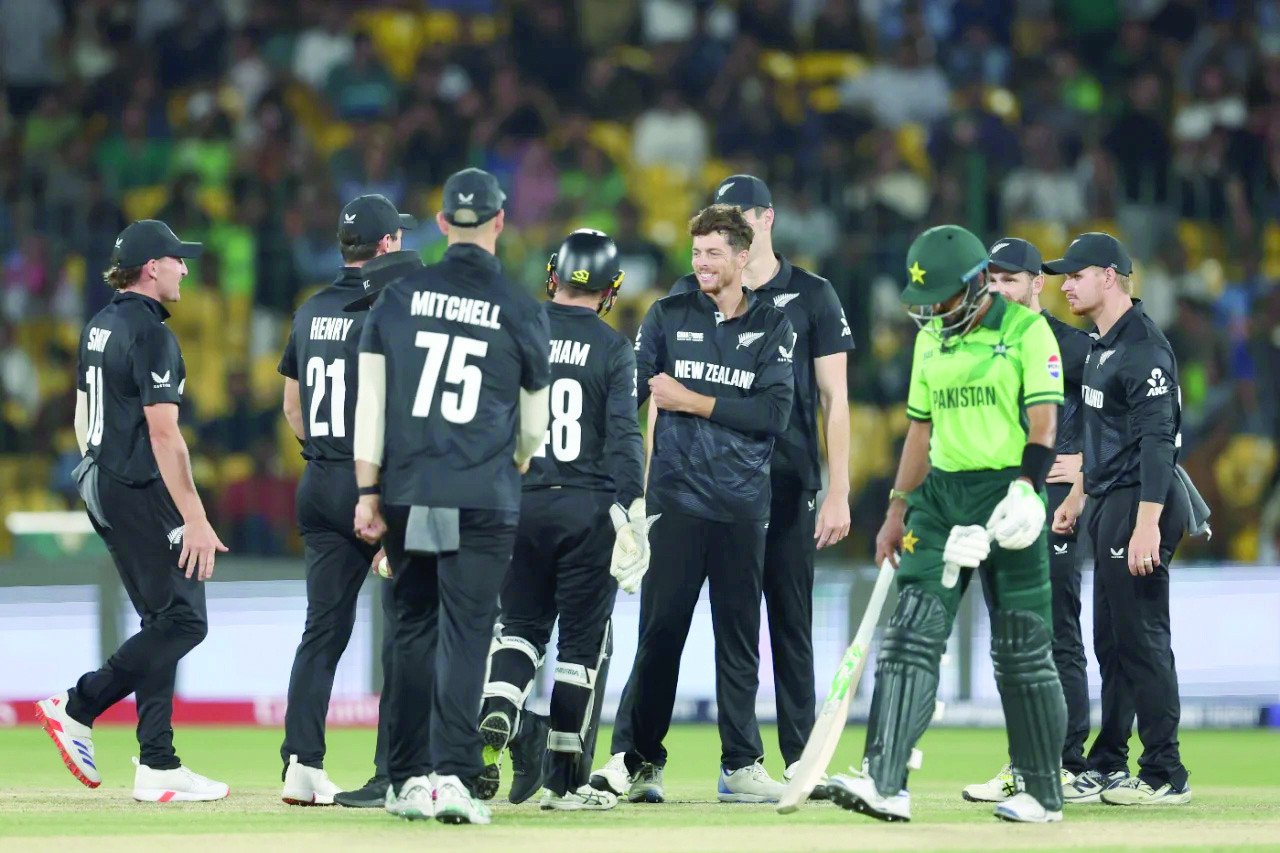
{"points": [[950, 574]]}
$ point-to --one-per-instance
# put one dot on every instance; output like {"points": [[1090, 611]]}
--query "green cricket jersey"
{"points": [[975, 387]]}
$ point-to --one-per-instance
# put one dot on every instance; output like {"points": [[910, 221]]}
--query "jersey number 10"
{"points": [[93, 378]]}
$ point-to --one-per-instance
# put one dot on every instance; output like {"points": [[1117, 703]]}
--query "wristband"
{"points": [[897, 494], [1036, 462], [365, 491]]}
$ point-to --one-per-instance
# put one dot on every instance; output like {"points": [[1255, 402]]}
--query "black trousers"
{"points": [[145, 541], [1068, 640], [445, 608], [337, 564], [788, 596], [685, 552], [1132, 641]]}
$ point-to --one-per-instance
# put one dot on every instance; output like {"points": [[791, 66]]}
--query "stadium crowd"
{"points": [[248, 125]]}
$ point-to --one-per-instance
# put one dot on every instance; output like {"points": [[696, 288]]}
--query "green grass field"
{"points": [[1233, 774]]}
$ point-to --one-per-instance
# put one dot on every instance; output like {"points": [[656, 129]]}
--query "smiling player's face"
{"points": [[715, 264]]}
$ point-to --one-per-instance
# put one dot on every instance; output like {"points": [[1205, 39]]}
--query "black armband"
{"points": [[364, 491], [1036, 462]]}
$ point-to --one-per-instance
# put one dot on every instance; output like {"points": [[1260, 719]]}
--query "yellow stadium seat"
{"points": [[216, 202], [1049, 237], [825, 99], [144, 202], [1244, 468], [485, 29], [440, 26], [614, 139], [778, 64], [396, 37], [825, 66], [1200, 240], [912, 142], [331, 137], [1003, 103], [235, 467]]}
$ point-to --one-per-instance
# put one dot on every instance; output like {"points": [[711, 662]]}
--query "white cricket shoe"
{"points": [[750, 784], [307, 786], [819, 791], [585, 799], [996, 790], [456, 804], [1089, 785], [416, 800], [857, 792], [613, 777], [1024, 808], [1134, 792], [179, 785], [73, 739]]}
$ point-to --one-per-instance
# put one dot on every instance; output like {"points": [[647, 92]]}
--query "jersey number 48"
{"points": [[565, 433]]}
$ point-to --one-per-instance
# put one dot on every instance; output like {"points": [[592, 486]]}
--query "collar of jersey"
{"points": [[782, 279], [995, 314], [349, 277], [472, 254], [152, 305], [556, 307], [1128, 317], [711, 303]]}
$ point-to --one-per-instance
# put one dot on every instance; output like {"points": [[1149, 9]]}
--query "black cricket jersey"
{"points": [[1074, 345], [460, 340], [821, 329], [1132, 409], [128, 359], [717, 468], [323, 356], [593, 441]]}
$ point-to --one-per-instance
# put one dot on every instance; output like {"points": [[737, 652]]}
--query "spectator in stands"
{"points": [[361, 88], [673, 135], [325, 45], [908, 89], [1042, 188], [29, 33], [258, 509]]}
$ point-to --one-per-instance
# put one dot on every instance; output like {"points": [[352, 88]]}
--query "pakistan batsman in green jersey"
{"points": [[986, 383]]}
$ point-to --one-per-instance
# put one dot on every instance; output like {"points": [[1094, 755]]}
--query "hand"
{"points": [[1067, 515], [199, 545], [523, 467], [1066, 467], [369, 524], [1018, 519], [967, 546], [1144, 550], [667, 393], [631, 547], [833, 519], [889, 539], [380, 566]]}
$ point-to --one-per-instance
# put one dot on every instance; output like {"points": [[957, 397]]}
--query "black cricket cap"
{"points": [[148, 239], [472, 197], [745, 191], [1013, 254], [1092, 249], [369, 218], [381, 271]]}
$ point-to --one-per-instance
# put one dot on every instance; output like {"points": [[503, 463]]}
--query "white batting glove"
{"points": [[631, 548], [967, 547], [1019, 518]]}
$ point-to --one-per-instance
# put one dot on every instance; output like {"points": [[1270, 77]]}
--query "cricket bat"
{"points": [[835, 711]]}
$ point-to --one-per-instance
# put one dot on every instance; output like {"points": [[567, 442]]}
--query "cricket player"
{"points": [[585, 479], [1015, 273], [969, 494]]}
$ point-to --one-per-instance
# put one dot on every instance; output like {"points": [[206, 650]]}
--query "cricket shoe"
{"points": [[857, 792], [307, 786], [1134, 792], [1024, 808], [819, 791], [1089, 785], [495, 731], [73, 739], [646, 786], [996, 790], [613, 777], [585, 799], [750, 784], [372, 795], [416, 800], [456, 804], [528, 771], [179, 785]]}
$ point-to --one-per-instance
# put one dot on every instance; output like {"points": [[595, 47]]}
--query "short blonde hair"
{"points": [[1125, 282]]}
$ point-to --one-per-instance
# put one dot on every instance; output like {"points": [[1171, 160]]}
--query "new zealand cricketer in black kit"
{"points": [[1138, 511], [591, 459], [796, 532], [718, 364], [320, 364], [452, 405], [136, 482]]}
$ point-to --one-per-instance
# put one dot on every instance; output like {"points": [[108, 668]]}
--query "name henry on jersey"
{"points": [[569, 352], [458, 309], [964, 397], [330, 328], [707, 372]]}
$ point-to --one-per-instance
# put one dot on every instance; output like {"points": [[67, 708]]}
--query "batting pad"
{"points": [[906, 686], [1034, 710]]}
